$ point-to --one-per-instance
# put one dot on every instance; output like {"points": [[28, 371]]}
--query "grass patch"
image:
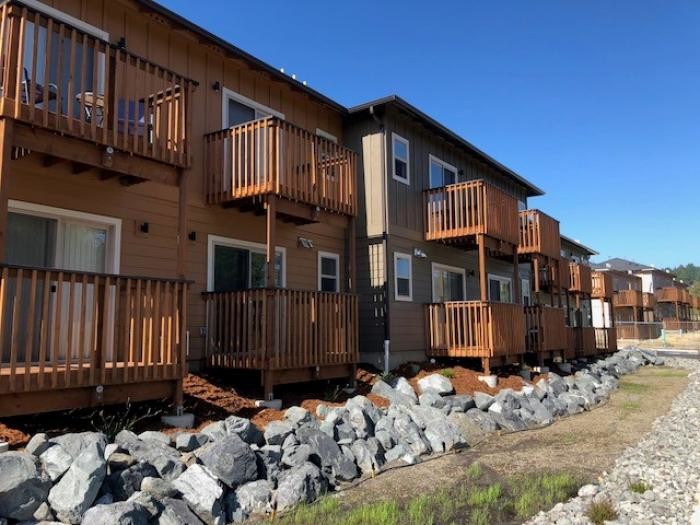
{"points": [[600, 512], [569, 438], [474, 471], [633, 388], [639, 487], [477, 499], [631, 406], [669, 373], [447, 372]]}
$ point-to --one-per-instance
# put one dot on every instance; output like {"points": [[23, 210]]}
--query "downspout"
{"points": [[385, 244]]}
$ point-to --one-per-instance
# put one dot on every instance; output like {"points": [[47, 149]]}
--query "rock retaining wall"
{"points": [[232, 469]]}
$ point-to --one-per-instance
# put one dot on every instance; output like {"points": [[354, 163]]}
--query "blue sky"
{"points": [[596, 102]]}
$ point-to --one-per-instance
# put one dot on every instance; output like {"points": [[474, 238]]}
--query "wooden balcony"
{"points": [[581, 280], [606, 340], [458, 212], [628, 299], [584, 341], [648, 300], [565, 271], [685, 326], [64, 333], [638, 331], [673, 294], [279, 331], [545, 329], [273, 157], [539, 234], [490, 331], [57, 78], [602, 285]]}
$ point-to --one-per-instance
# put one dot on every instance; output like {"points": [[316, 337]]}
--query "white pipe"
{"points": [[386, 356]]}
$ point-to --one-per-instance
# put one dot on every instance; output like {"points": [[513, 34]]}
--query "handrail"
{"points": [[539, 234]]}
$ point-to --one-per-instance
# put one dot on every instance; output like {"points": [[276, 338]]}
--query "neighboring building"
{"points": [[165, 198], [578, 296], [438, 232]]}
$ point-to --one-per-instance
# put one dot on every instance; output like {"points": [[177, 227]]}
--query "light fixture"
{"points": [[144, 227], [216, 86], [192, 236], [305, 243], [417, 252]]}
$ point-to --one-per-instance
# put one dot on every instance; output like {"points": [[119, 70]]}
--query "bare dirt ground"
{"points": [[584, 445]]}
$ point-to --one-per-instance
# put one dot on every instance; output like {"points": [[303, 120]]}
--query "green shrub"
{"points": [[601, 511], [448, 373], [639, 487]]}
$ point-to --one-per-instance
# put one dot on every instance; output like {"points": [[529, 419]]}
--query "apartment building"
{"points": [[438, 235], [166, 200]]}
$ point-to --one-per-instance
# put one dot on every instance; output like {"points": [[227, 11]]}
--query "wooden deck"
{"points": [[672, 294], [545, 330], [581, 280], [285, 333], [461, 211], [64, 334], [584, 341], [602, 285], [686, 326], [606, 340], [539, 234], [273, 157], [59, 78], [639, 331], [628, 299], [490, 331]]}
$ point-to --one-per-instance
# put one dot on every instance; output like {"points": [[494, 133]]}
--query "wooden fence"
{"points": [[638, 330], [584, 341], [475, 329], [58, 77], [539, 234], [470, 208], [62, 329], [686, 326], [606, 339], [271, 156], [269, 329]]}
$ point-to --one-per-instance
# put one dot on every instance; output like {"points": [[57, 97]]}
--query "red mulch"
{"points": [[465, 381], [16, 438]]}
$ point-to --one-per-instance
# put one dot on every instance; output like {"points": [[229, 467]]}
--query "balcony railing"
{"points": [[602, 285], [606, 339], [581, 280], [470, 208], [672, 294], [686, 326], [475, 329], [57, 77], [63, 329], [565, 273], [545, 329], [539, 234], [628, 299], [281, 329], [648, 301], [584, 341], [273, 157], [638, 330]]}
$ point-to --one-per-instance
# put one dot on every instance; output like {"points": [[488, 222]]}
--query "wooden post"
{"points": [[271, 284], [483, 275], [6, 128], [352, 254], [518, 299], [536, 276]]}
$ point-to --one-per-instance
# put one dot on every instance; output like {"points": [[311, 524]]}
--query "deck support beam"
{"points": [[271, 283], [6, 132], [483, 275]]}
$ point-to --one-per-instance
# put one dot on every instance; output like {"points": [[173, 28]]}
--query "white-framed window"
{"points": [[237, 109], [328, 272], [500, 289], [442, 173], [526, 292], [400, 154], [403, 277], [234, 265], [49, 237], [449, 283], [326, 135]]}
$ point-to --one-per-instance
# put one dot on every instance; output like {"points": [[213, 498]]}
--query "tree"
{"points": [[695, 289]]}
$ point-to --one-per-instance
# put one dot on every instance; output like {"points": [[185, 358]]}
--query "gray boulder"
{"points": [[302, 484], [344, 432], [123, 483], [164, 458], [176, 512], [460, 403], [298, 416], [277, 431], [55, 461], [74, 444], [402, 386], [483, 419], [430, 398], [157, 436], [556, 384], [214, 431], [328, 455], [296, 455], [370, 411], [368, 454], [244, 429], [187, 441], [254, 497], [119, 461], [74, 494], [153, 506], [483, 401], [509, 421], [386, 439], [202, 493], [360, 421], [394, 396], [438, 430], [121, 513], [38, 444], [230, 459], [436, 382], [469, 429], [410, 435], [22, 488], [158, 488], [269, 458]]}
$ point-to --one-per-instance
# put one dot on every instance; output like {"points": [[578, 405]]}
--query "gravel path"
{"points": [[666, 460]]}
